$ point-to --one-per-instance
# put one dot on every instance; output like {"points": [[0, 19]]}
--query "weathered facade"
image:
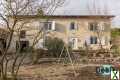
{"points": [[77, 31]]}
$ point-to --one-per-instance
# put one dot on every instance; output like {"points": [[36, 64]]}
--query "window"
{"points": [[22, 34], [49, 25], [72, 26], [102, 27], [74, 43], [2, 43], [93, 26], [22, 45], [93, 40]]}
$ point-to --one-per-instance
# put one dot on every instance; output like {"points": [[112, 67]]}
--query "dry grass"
{"points": [[52, 71]]}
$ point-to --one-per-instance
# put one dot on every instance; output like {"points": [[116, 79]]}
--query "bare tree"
{"points": [[10, 10]]}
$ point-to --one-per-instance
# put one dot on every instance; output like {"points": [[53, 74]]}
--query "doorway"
{"points": [[22, 45]]}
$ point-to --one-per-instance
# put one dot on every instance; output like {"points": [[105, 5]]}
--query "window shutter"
{"points": [[41, 25], [76, 45], [103, 41], [53, 25], [77, 26], [99, 27], [88, 24], [98, 40], [45, 25], [102, 26], [106, 40], [76, 39], [88, 40], [106, 26]]}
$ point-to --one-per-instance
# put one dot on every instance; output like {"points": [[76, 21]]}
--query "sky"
{"points": [[80, 7]]}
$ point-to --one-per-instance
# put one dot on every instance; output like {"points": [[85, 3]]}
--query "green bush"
{"points": [[115, 32], [116, 50], [54, 46]]}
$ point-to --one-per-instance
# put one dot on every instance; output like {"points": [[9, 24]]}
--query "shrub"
{"points": [[54, 46], [116, 50]]}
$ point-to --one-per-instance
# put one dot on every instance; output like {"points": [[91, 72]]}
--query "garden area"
{"points": [[58, 63], [53, 71]]}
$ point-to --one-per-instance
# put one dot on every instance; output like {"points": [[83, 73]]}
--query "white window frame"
{"points": [[50, 24], [75, 26]]}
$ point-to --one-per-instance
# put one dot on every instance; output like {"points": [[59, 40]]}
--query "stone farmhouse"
{"points": [[75, 30]]}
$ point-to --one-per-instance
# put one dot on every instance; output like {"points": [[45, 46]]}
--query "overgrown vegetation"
{"points": [[54, 46], [115, 32], [116, 50]]}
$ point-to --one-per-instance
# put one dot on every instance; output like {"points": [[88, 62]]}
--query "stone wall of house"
{"points": [[62, 30]]}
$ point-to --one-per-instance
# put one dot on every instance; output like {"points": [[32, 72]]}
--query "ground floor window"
{"points": [[2, 43], [22, 45], [93, 40]]}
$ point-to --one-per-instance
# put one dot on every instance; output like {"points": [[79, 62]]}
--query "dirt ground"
{"points": [[55, 71]]}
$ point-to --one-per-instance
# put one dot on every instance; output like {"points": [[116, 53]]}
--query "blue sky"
{"points": [[78, 7]]}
